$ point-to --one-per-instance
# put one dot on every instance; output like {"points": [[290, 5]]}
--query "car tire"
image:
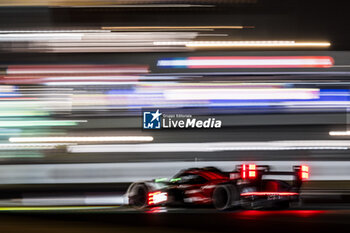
{"points": [[225, 196], [138, 196]]}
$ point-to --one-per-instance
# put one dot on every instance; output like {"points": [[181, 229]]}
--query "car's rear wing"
{"points": [[254, 173]]}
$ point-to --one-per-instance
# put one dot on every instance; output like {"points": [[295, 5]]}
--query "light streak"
{"points": [[243, 43], [249, 62], [83, 139]]}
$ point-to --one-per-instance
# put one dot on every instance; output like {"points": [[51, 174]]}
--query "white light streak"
{"points": [[32, 146], [241, 94], [243, 43], [214, 146], [339, 133], [83, 139]]}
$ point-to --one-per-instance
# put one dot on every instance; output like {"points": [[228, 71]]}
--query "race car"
{"points": [[248, 186]]}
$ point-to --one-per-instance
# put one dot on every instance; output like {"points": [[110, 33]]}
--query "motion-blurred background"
{"points": [[76, 75]]}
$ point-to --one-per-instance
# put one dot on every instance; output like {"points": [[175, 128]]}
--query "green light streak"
{"points": [[9, 156], [160, 180], [175, 179], [23, 113]]}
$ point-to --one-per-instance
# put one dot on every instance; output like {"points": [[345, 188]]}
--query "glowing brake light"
{"points": [[252, 166], [157, 197], [252, 174], [304, 172], [248, 171]]}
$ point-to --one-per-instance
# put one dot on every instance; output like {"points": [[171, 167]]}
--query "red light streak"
{"points": [[269, 193], [261, 62]]}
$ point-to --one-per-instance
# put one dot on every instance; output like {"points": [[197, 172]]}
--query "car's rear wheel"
{"points": [[138, 196], [225, 196]]}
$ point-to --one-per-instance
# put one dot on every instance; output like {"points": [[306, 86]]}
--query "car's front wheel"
{"points": [[225, 196], [138, 196]]}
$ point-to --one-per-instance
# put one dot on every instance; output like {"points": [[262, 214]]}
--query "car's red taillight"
{"points": [[304, 172], [248, 171]]}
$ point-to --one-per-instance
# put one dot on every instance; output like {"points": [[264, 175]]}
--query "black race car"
{"points": [[249, 186]]}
